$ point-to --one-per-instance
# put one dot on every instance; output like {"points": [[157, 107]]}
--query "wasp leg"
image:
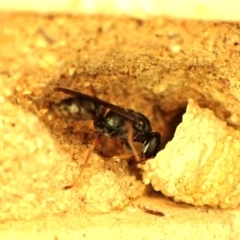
{"points": [[90, 150], [131, 142]]}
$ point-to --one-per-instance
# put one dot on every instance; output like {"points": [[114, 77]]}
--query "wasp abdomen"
{"points": [[77, 108]]}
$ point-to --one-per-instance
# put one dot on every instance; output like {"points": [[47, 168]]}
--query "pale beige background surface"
{"points": [[198, 9]]}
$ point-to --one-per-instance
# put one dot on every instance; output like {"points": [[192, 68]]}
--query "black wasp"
{"points": [[111, 120]]}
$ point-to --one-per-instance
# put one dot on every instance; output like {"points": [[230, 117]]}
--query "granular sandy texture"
{"points": [[177, 221], [29, 160], [152, 66]]}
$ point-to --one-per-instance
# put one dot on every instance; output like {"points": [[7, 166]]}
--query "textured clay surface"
{"points": [[154, 67], [206, 175]]}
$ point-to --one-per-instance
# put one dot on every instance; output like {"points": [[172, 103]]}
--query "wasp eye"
{"points": [[152, 145]]}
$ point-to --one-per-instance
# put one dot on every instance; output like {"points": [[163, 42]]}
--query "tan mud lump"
{"points": [[201, 164]]}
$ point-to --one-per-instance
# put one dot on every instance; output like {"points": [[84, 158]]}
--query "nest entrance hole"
{"points": [[168, 123]]}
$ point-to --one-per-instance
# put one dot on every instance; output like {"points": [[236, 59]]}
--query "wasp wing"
{"points": [[131, 115]]}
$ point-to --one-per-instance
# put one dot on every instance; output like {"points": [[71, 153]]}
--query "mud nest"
{"points": [[154, 67]]}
